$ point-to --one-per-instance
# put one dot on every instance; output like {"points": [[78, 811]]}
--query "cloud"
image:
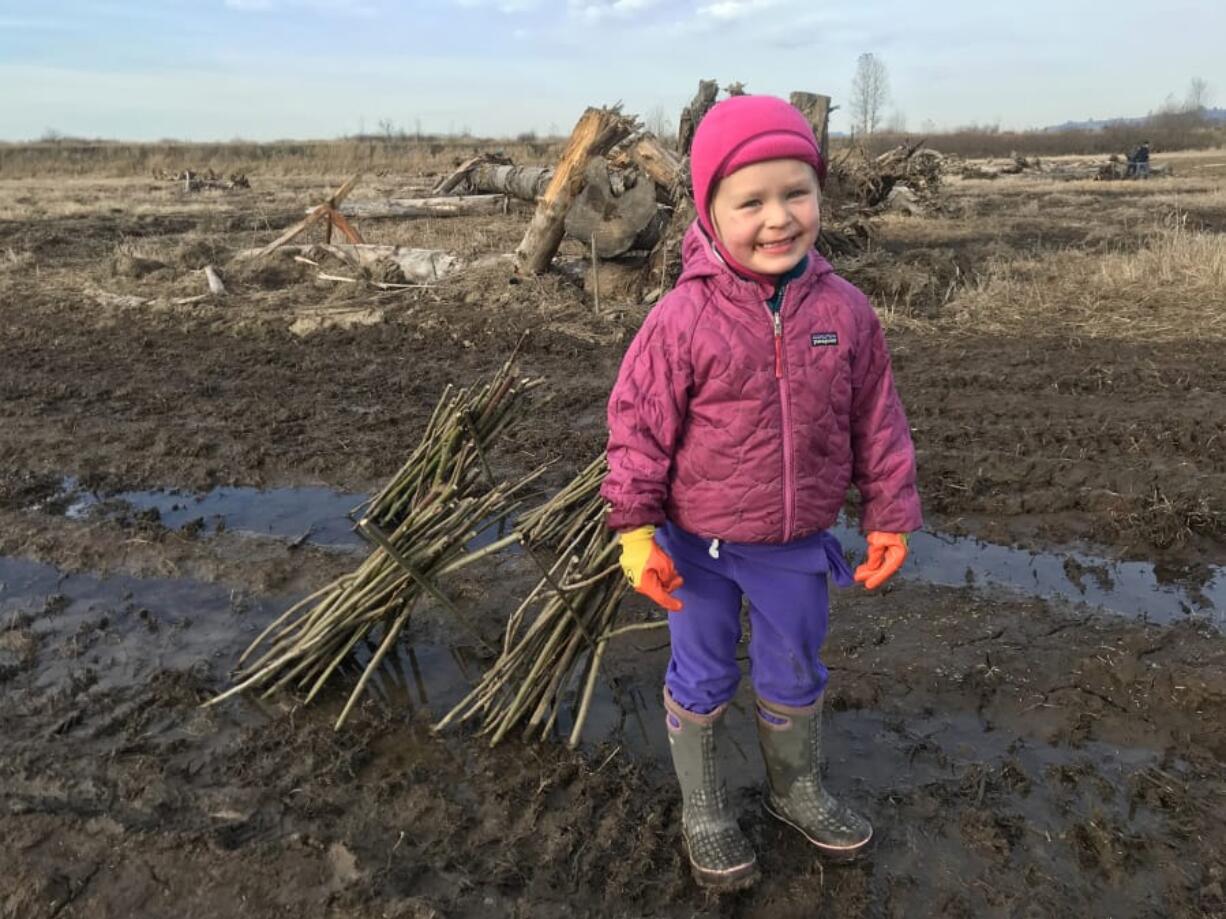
{"points": [[594, 11], [731, 10]]}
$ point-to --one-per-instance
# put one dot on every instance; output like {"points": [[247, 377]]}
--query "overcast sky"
{"points": [[264, 69]]}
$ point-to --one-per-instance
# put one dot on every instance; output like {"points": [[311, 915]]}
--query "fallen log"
{"points": [[654, 159], [450, 182], [527, 183], [465, 206], [415, 264], [597, 131], [492, 173]]}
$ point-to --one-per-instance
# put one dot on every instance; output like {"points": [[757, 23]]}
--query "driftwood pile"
{"points": [[617, 190], [906, 179], [1114, 167], [209, 180]]}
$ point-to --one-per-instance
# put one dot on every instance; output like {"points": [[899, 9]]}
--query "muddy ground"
{"points": [[1019, 756]]}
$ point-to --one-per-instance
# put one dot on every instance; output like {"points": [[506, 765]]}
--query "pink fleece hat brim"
{"points": [[776, 145]]}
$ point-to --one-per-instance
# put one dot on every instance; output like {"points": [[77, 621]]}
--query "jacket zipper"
{"points": [[785, 400]]}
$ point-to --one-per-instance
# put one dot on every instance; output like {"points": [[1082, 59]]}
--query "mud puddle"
{"points": [[323, 517], [318, 516], [116, 631], [1134, 589], [313, 516]]}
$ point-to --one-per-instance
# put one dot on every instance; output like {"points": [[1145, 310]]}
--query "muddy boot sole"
{"points": [[829, 852], [740, 878]]}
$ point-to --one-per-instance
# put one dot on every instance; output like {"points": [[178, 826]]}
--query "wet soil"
{"points": [[1019, 756]]}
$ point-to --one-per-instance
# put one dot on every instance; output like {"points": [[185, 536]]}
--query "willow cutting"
{"points": [[573, 609], [421, 523]]}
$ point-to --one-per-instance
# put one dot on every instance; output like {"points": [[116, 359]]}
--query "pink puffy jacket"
{"points": [[740, 426]]}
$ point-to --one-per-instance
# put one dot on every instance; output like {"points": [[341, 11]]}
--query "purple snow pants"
{"points": [[788, 608]]}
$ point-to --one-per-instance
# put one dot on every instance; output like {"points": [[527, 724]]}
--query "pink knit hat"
{"points": [[737, 132]]}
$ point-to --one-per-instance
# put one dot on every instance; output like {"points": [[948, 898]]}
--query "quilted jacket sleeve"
{"points": [[883, 456], [646, 413]]}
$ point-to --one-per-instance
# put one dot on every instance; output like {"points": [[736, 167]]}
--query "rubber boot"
{"points": [[791, 740], [720, 855]]}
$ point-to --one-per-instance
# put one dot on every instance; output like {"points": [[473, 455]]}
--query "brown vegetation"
{"points": [[119, 159], [1164, 134]]}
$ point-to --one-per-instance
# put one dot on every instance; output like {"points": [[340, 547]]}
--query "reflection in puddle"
{"points": [[312, 515], [318, 516], [1130, 588], [117, 631]]}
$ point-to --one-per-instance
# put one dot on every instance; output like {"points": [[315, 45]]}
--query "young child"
{"points": [[756, 392]]}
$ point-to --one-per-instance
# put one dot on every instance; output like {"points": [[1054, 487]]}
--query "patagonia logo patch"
{"points": [[824, 339]]}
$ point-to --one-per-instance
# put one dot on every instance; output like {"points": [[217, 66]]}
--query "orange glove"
{"points": [[886, 553], [648, 568]]}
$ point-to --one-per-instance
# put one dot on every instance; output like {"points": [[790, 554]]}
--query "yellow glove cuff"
{"points": [[636, 549]]}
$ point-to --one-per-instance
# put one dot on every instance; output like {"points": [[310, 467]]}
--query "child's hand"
{"points": [[886, 553], [648, 568]]}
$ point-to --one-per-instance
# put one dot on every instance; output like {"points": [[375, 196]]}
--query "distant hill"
{"points": [[1216, 115]]}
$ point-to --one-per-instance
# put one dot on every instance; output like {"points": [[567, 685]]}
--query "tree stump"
{"points": [[816, 109], [692, 114], [614, 221]]}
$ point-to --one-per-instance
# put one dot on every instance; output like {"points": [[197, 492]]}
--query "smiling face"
{"points": [[768, 214]]}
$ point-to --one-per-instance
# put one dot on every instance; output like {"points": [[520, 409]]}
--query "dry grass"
{"points": [[1181, 135], [1170, 286], [1028, 185], [16, 261], [119, 160]]}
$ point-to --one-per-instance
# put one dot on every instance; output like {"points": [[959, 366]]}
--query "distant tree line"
{"points": [[1178, 124]]}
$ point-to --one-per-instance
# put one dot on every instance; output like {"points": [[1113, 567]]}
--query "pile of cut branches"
{"points": [[557, 637], [421, 523], [864, 183]]}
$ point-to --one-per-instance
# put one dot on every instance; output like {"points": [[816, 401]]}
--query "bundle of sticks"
{"points": [[573, 608], [421, 524]]}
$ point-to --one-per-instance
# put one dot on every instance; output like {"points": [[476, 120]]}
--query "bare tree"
{"points": [[1198, 96], [870, 90], [658, 123]]}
